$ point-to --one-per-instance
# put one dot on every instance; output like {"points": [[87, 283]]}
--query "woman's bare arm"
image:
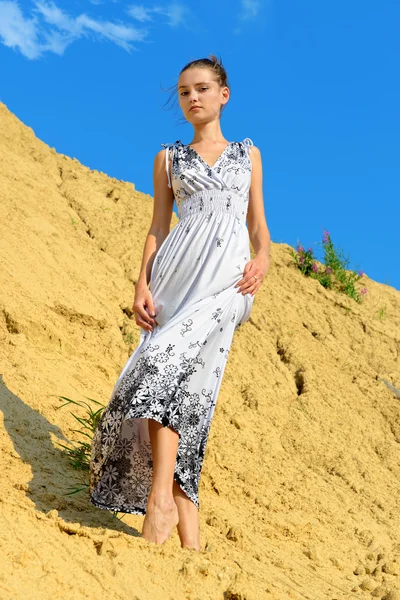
{"points": [[161, 221], [143, 306], [259, 235], [258, 228]]}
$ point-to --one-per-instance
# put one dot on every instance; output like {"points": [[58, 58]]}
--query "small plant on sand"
{"points": [[126, 331], [382, 312], [128, 337], [79, 451], [333, 273]]}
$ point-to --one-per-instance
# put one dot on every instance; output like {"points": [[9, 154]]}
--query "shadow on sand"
{"points": [[52, 474]]}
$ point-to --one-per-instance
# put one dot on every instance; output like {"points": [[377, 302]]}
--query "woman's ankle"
{"points": [[161, 498]]}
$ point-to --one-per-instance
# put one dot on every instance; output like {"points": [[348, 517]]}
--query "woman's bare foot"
{"points": [[161, 518], [193, 543], [188, 526]]}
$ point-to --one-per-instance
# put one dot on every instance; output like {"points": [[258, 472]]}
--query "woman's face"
{"points": [[197, 87]]}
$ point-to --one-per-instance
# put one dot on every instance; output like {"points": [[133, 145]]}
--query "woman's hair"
{"points": [[213, 64]]}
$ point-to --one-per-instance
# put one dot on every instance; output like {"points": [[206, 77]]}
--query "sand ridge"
{"points": [[300, 487]]}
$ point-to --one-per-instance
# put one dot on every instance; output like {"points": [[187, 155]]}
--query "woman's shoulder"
{"points": [[246, 143], [166, 154], [171, 144], [168, 148], [247, 146]]}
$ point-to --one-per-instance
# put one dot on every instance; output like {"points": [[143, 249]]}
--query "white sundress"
{"points": [[175, 373]]}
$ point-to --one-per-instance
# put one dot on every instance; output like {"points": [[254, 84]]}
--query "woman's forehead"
{"points": [[195, 77]]}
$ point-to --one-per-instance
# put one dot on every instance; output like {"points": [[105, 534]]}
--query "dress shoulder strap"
{"points": [[169, 153], [248, 143]]}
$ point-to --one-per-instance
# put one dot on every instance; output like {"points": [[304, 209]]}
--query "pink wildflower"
{"points": [[326, 236]]}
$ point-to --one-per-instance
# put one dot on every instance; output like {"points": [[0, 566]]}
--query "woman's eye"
{"points": [[202, 88]]}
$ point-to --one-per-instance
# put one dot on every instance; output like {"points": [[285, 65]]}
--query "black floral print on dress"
{"points": [[175, 372]]}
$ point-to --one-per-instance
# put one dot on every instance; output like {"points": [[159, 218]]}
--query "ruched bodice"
{"points": [[230, 174]]}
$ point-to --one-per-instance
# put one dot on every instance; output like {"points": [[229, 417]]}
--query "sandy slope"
{"points": [[300, 491]]}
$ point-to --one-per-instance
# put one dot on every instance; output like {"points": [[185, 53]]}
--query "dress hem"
{"points": [[132, 511], [165, 422], [135, 511]]}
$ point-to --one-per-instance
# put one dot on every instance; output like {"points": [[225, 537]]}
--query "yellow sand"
{"points": [[300, 490]]}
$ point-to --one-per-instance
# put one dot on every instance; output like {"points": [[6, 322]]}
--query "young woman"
{"points": [[196, 287]]}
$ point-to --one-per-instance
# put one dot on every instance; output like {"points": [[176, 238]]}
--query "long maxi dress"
{"points": [[175, 373]]}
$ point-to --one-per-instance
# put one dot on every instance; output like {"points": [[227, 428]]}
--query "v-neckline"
{"points": [[202, 159]]}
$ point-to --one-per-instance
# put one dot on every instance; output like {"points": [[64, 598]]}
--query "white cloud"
{"points": [[140, 13], [175, 12], [18, 32], [51, 29], [250, 9]]}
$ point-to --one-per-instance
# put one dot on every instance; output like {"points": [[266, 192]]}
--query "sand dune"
{"points": [[300, 490]]}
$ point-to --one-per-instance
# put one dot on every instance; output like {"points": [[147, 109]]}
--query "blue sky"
{"points": [[314, 84]]}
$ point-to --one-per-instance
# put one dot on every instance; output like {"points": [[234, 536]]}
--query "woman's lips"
{"points": [[195, 107]]}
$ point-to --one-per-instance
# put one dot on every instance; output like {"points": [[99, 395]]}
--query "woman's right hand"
{"points": [[143, 308]]}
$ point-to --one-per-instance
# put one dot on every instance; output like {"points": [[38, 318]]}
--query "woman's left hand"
{"points": [[257, 267]]}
